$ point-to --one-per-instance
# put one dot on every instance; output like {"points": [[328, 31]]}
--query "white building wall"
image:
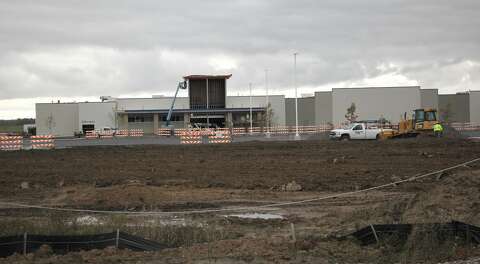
{"points": [[323, 108], [60, 120], [277, 103], [475, 106], [373, 103], [429, 98], [99, 114], [152, 103]]}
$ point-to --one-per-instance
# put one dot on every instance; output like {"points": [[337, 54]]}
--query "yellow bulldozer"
{"points": [[421, 123]]}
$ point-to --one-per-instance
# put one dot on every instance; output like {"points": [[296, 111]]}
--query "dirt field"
{"points": [[176, 178]]}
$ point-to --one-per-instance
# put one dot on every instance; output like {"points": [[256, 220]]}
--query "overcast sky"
{"points": [[79, 50]]}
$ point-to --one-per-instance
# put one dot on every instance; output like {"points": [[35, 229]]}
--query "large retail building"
{"points": [[208, 104]]}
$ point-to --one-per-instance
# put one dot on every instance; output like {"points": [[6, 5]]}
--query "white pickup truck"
{"points": [[357, 131]]}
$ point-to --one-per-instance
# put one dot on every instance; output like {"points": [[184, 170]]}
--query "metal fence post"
{"points": [[375, 233], [25, 243], [117, 238], [292, 231]]}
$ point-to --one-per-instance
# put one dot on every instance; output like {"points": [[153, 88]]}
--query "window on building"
{"points": [[140, 118], [175, 117], [148, 118]]}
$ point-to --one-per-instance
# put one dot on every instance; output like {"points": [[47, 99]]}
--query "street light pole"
{"points": [[267, 116], [208, 108], [251, 115], [297, 135]]}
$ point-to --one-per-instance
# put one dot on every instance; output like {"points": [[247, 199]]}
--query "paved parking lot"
{"points": [[157, 140]]}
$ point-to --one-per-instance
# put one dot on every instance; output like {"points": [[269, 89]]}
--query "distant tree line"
{"points": [[17, 122]]}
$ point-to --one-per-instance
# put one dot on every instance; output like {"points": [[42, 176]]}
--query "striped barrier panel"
{"points": [[307, 129], [106, 134], [239, 131], [164, 132], [10, 138], [220, 137], [43, 146], [92, 134], [279, 130], [324, 128], [256, 130], [135, 133], [180, 131], [466, 126], [10, 147], [195, 132], [282, 130], [207, 132], [223, 130], [190, 140], [191, 137], [195, 136], [11, 142], [122, 133], [42, 137], [42, 142]]}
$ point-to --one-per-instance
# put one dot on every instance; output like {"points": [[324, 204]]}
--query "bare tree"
{"points": [[351, 114], [267, 117]]}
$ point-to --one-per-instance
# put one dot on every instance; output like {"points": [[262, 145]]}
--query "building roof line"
{"points": [[164, 111], [270, 95], [379, 87], [202, 76], [144, 98]]}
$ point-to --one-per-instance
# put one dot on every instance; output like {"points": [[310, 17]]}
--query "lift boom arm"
{"points": [[181, 85]]}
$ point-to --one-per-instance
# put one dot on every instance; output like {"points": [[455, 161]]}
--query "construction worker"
{"points": [[438, 130]]}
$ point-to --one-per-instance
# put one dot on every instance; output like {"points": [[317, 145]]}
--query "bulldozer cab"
{"points": [[424, 119]]}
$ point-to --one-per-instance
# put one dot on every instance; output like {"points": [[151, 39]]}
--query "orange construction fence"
{"points": [[42, 142], [122, 133], [220, 136], [191, 137], [164, 132], [466, 126], [135, 132], [11, 142], [92, 134]]}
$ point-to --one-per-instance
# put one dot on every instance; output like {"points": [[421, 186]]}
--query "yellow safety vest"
{"points": [[437, 128]]}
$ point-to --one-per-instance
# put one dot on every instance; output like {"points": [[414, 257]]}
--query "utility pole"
{"points": [[297, 135], [267, 116], [251, 112], [208, 109]]}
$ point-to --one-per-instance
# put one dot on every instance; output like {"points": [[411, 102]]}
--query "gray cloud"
{"points": [[88, 48]]}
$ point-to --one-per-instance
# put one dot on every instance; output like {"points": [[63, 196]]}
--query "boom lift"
{"points": [[183, 86]]}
